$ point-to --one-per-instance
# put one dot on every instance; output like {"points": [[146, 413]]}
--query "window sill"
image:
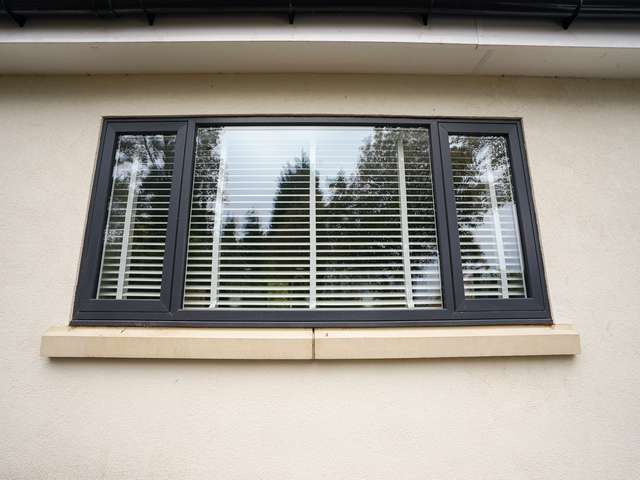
{"points": [[442, 342], [307, 344]]}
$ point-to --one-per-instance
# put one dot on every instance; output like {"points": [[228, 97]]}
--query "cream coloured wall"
{"points": [[506, 418]]}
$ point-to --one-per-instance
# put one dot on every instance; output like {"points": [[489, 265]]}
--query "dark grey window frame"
{"points": [[168, 312]]}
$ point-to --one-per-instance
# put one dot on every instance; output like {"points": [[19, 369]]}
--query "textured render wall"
{"points": [[537, 418]]}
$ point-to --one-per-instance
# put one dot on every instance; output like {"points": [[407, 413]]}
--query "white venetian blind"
{"points": [[312, 217], [134, 242], [487, 220]]}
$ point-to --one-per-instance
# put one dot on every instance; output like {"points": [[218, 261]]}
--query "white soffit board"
{"points": [[460, 46]]}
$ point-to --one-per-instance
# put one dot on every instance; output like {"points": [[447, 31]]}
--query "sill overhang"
{"points": [[308, 344]]}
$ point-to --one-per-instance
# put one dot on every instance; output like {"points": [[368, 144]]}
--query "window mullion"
{"points": [[406, 260], [312, 225]]}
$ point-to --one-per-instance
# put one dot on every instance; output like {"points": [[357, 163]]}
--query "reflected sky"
{"points": [[253, 168]]}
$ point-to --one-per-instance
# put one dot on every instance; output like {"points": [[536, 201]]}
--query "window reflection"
{"points": [[312, 218], [135, 236], [487, 220]]}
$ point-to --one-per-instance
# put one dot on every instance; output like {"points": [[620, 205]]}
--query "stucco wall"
{"points": [[535, 418]]}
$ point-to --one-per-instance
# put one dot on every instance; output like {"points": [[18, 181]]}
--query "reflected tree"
{"points": [[358, 228], [487, 221], [136, 229]]}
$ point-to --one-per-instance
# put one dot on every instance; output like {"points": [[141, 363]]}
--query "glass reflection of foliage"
{"points": [[274, 258], [265, 251], [202, 219], [360, 253], [423, 239], [487, 220], [137, 218]]}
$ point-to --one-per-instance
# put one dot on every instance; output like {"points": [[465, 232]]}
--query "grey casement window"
{"points": [[311, 221]]}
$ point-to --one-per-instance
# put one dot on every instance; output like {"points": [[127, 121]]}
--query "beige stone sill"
{"points": [[187, 343], [307, 344], [441, 342]]}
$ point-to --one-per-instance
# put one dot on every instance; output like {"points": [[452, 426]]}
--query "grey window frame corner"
{"points": [[167, 312]]}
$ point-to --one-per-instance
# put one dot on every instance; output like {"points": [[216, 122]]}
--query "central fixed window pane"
{"points": [[312, 218]]}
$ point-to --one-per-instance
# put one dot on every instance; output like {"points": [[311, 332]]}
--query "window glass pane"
{"points": [[134, 244], [492, 263], [312, 217]]}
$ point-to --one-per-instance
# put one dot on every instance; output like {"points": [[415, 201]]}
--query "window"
{"points": [[357, 233], [311, 221], [136, 232]]}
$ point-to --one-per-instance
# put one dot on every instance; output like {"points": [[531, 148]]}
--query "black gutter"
{"points": [[563, 12]]}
